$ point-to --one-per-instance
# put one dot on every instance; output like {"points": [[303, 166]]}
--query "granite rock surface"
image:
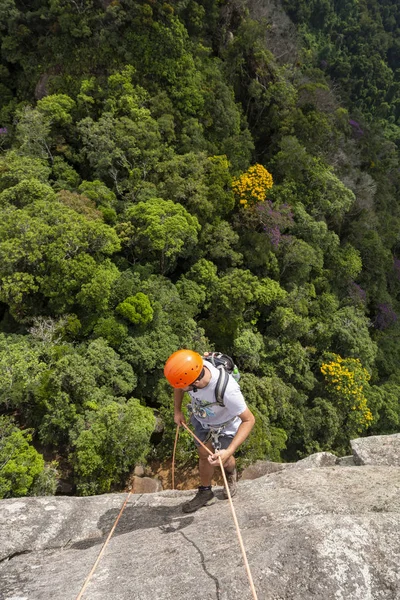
{"points": [[326, 533]]}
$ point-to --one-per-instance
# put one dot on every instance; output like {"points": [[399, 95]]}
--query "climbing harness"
{"points": [[250, 578], [214, 433]]}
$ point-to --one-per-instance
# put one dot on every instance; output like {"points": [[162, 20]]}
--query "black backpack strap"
{"points": [[220, 388]]}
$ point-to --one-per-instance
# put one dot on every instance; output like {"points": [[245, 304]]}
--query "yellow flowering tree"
{"points": [[346, 380], [251, 187]]}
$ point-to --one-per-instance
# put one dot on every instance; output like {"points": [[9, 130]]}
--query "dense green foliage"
{"points": [[21, 464], [139, 216]]}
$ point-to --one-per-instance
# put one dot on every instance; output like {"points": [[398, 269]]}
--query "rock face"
{"points": [[320, 459], [377, 450], [139, 471], [262, 467], [145, 485], [326, 533], [346, 461]]}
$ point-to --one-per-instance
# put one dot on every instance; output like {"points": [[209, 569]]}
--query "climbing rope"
{"points": [[250, 578], [88, 578], [173, 457], [246, 563]]}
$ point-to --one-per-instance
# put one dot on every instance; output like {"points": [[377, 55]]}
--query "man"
{"points": [[222, 428]]}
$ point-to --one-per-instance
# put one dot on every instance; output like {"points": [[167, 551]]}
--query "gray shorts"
{"points": [[204, 434]]}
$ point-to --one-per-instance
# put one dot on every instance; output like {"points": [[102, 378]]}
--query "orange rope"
{"points": [[79, 596], [173, 457], [253, 590], [173, 466]]}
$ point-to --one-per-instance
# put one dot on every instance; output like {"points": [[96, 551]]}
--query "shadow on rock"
{"points": [[168, 520]]}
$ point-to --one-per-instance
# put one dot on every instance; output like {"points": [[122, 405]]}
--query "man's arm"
{"points": [[242, 433], [178, 414]]}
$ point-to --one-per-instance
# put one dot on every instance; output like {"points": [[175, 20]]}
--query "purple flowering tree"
{"points": [[357, 294], [385, 316], [3, 136], [274, 221], [396, 265], [356, 127]]}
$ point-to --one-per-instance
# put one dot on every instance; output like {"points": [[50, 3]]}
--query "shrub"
{"points": [[20, 463]]}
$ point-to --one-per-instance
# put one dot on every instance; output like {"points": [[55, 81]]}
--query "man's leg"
{"points": [[229, 468], [206, 470], [230, 465], [205, 495]]}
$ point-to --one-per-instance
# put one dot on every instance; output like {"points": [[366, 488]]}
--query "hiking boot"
{"points": [[232, 483], [202, 498]]}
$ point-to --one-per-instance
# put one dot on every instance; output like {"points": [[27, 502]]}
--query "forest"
{"points": [[212, 174]]}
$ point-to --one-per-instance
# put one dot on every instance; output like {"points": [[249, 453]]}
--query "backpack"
{"points": [[226, 367]]}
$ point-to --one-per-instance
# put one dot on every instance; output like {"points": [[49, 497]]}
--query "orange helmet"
{"points": [[183, 368]]}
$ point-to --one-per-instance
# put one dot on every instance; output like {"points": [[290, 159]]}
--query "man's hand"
{"points": [[214, 458], [179, 417]]}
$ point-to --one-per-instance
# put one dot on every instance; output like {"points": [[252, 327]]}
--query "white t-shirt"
{"points": [[208, 412]]}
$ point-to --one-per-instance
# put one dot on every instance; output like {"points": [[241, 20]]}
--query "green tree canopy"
{"points": [[161, 231], [20, 463]]}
